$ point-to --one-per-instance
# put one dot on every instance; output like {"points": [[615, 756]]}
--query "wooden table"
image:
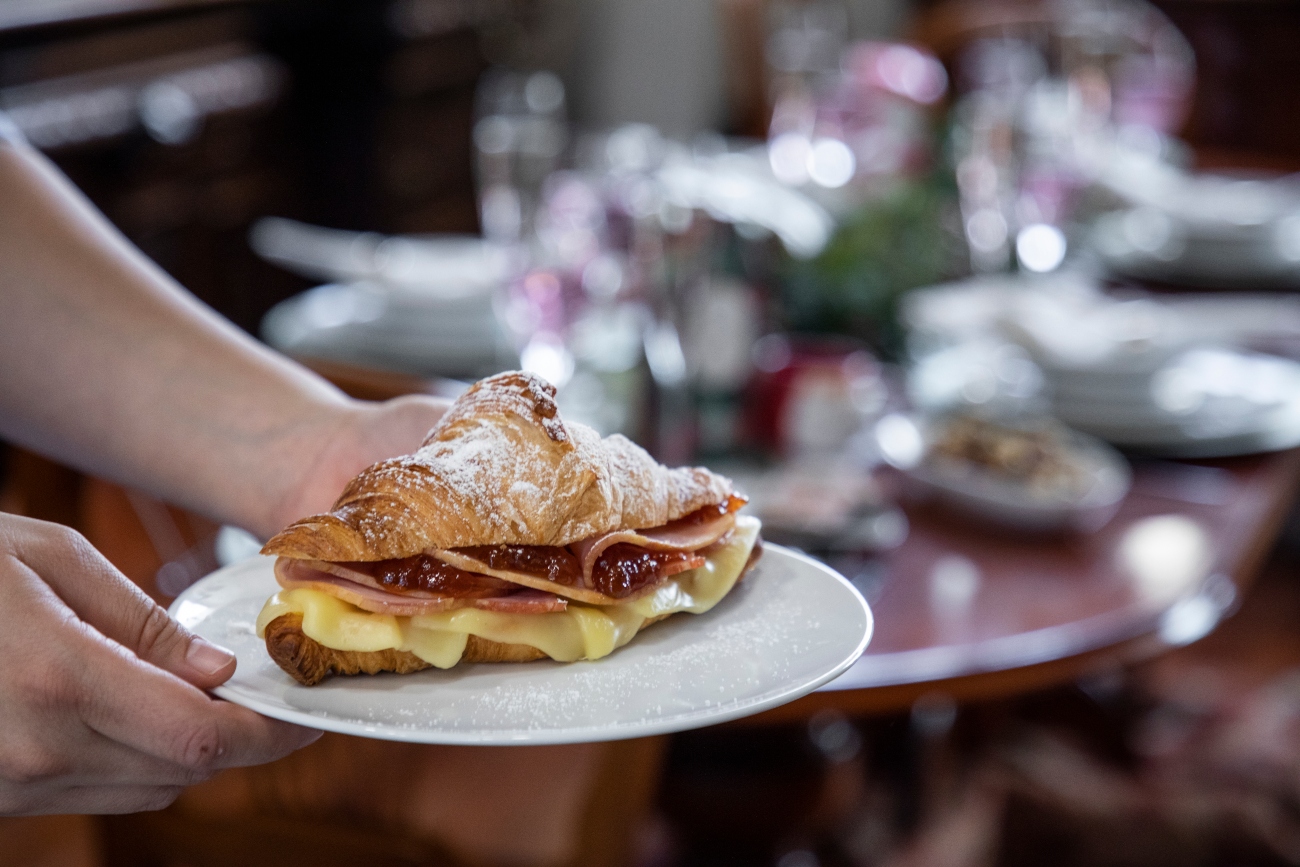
{"points": [[973, 612]]}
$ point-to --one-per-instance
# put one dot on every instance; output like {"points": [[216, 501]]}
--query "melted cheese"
{"points": [[580, 632]]}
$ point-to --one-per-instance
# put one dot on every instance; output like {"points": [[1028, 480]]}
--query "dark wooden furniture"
{"points": [[187, 120]]}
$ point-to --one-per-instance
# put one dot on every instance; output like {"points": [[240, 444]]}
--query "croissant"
{"points": [[500, 468], [509, 535]]}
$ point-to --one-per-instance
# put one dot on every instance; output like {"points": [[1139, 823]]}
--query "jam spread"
{"points": [[430, 574], [733, 503], [542, 561], [622, 570]]}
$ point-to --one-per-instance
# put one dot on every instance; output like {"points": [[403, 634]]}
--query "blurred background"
{"points": [[991, 304]]}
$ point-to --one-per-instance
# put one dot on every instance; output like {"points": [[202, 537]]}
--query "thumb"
{"points": [[105, 599]]}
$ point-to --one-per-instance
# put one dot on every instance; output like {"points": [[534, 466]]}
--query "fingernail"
{"points": [[206, 657]]}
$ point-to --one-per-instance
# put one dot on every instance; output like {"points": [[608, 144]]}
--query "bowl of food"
{"points": [[1028, 474]]}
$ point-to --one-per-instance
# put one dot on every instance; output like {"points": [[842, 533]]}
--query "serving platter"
{"points": [[792, 625]]}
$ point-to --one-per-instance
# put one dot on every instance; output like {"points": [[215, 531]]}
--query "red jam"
{"points": [[423, 572], [547, 562], [624, 569], [733, 503]]}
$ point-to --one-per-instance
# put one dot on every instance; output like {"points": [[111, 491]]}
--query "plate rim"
{"points": [[554, 736]]}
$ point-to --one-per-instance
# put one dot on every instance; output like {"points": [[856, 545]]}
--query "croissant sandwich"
{"points": [[510, 535]]}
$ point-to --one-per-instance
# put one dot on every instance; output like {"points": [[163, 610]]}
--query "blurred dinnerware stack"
{"points": [[1217, 231], [1174, 376], [422, 305]]}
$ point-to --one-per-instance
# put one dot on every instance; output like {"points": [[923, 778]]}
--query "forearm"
{"points": [[106, 364]]}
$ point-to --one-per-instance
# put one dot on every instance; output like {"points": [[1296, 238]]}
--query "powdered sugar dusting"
{"points": [[501, 467]]}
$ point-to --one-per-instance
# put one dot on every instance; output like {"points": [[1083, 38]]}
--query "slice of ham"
{"points": [[524, 601], [398, 576], [678, 536], [295, 574], [523, 579]]}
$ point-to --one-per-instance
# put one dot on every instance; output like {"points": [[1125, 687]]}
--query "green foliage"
{"points": [[894, 242]]}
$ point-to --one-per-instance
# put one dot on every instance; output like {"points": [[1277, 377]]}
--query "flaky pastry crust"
{"points": [[500, 468]]}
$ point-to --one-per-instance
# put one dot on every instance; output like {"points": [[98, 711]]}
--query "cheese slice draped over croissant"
{"points": [[500, 468]]}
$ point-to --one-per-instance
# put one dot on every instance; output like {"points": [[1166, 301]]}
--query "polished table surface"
{"points": [[974, 612]]}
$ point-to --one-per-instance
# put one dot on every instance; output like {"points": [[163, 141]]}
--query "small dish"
{"points": [[1034, 475]]}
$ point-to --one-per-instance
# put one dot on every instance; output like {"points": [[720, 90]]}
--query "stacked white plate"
{"points": [[424, 305], [1201, 403], [1155, 375], [371, 325], [1205, 230]]}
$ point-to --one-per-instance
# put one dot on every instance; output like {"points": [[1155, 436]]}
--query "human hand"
{"points": [[102, 708], [363, 434]]}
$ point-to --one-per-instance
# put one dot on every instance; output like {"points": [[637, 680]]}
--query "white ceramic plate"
{"points": [[1248, 403], [792, 625]]}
